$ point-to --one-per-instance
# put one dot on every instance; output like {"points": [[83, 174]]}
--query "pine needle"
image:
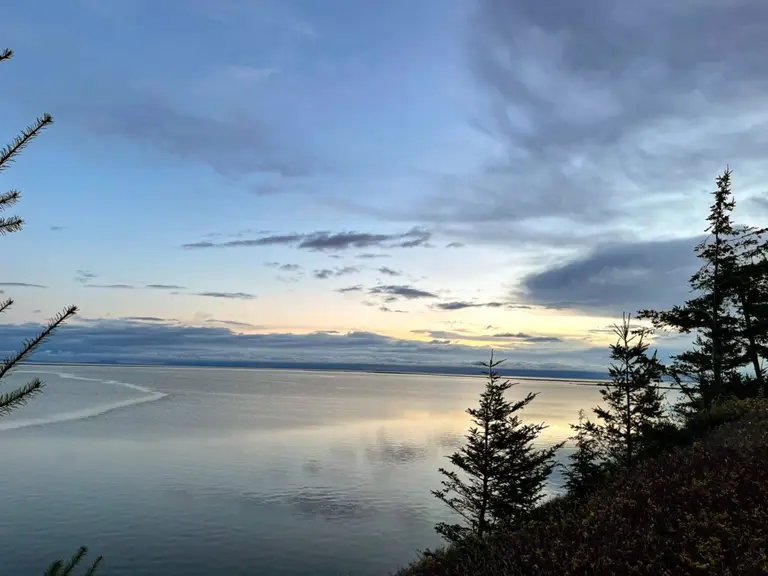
{"points": [[31, 344], [9, 153], [58, 568], [5, 305], [17, 398], [9, 198], [9, 225]]}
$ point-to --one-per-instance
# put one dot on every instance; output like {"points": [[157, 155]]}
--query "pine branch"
{"points": [[58, 568], [6, 54], [12, 400], [5, 305], [9, 198], [9, 225], [31, 345], [9, 153]]}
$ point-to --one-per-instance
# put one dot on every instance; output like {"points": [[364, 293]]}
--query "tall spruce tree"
{"points": [[503, 474], [16, 398], [750, 291], [710, 370], [634, 402]]}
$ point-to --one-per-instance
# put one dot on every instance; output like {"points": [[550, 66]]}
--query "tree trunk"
{"points": [[752, 350], [716, 373]]}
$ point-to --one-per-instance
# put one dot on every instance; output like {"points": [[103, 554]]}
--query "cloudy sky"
{"points": [[406, 180]]}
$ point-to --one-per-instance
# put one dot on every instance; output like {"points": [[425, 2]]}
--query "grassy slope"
{"points": [[701, 509]]}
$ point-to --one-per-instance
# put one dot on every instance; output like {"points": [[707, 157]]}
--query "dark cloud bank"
{"points": [[616, 278]]}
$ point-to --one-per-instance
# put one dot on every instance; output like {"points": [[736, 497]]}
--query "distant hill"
{"points": [[465, 370]]}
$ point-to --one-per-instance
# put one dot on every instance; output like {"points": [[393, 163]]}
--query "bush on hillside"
{"points": [[701, 509]]}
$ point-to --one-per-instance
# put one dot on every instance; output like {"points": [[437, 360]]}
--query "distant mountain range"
{"points": [[466, 370]]}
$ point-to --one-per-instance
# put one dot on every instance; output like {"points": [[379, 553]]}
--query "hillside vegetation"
{"points": [[696, 509]]}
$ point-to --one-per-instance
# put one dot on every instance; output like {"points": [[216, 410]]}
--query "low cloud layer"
{"points": [[149, 339], [447, 336]]}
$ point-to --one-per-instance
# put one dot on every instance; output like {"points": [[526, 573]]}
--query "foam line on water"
{"points": [[79, 414], [68, 376], [150, 396]]}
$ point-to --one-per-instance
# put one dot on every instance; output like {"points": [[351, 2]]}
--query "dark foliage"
{"points": [[634, 402], [502, 474], [61, 568], [586, 470], [697, 510], [728, 312]]}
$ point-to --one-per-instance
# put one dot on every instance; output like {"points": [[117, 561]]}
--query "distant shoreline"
{"points": [[575, 376]]}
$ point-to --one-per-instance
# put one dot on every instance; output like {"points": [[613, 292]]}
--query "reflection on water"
{"points": [[242, 471]]}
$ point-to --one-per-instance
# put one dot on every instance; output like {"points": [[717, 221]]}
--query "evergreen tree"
{"points": [[14, 399], [504, 474], [585, 470], [710, 369], [634, 403], [751, 300]]}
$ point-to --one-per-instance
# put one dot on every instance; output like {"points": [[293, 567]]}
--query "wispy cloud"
{"points": [[389, 271], [283, 267], [111, 286], [461, 305], [371, 256], [234, 323], [326, 241], [388, 309], [469, 336], [22, 285], [326, 273], [146, 319], [272, 240], [527, 337], [407, 292], [234, 145], [84, 276], [165, 287], [356, 288], [227, 295]]}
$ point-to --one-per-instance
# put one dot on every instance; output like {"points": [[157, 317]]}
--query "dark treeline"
{"points": [[498, 477]]}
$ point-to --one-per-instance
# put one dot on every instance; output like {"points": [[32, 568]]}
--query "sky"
{"points": [[358, 180]]}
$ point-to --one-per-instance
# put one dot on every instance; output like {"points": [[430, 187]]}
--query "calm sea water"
{"points": [[213, 471]]}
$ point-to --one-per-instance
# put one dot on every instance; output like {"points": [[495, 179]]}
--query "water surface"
{"points": [[233, 471]]}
